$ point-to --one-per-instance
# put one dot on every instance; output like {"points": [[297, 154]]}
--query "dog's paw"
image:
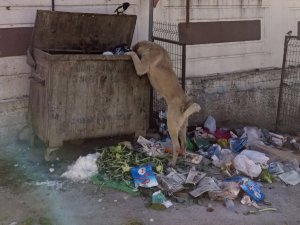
{"points": [[129, 53]]}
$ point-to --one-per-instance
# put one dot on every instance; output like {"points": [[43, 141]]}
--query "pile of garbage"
{"points": [[221, 164]]}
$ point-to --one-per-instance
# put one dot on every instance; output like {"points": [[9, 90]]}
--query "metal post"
{"points": [[150, 20], [53, 5], [183, 66], [286, 42], [187, 14]]}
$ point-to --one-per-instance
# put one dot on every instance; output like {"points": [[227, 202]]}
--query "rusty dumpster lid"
{"points": [[81, 31]]}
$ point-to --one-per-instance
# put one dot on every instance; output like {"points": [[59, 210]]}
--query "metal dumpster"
{"points": [[75, 91]]}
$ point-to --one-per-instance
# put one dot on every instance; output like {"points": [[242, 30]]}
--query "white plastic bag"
{"points": [[224, 159], [83, 169], [210, 124], [245, 165], [255, 156], [254, 135]]}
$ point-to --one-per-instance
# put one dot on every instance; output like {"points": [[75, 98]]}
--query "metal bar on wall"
{"points": [[167, 40], [187, 12], [288, 111], [183, 66], [286, 41], [150, 20], [53, 5]]}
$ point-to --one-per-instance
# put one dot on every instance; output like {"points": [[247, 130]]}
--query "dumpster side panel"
{"points": [[96, 98], [38, 100]]}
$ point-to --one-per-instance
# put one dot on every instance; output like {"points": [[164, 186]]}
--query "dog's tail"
{"points": [[191, 108]]}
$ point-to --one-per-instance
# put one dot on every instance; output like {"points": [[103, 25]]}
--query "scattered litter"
{"points": [[291, 177], [115, 201], [143, 176], [55, 184], [237, 144], [246, 200], [223, 143], [178, 177], [205, 185], [255, 156], [260, 210], [83, 169], [295, 144], [291, 165], [252, 189], [202, 143], [276, 168], [143, 166], [230, 205], [254, 135], [194, 177], [51, 170], [13, 223], [193, 158], [159, 198], [278, 139], [243, 164], [215, 149], [266, 176], [150, 148], [116, 162], [100, 200], [16, 165], [210, 124], [107, 53], [223, 134], [151, 220], [169, 185], [223, 159], [210, 208], [229, 190]]}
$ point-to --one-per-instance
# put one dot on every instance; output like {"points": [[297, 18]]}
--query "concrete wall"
{"points": [[14, 72], [243, 98]]}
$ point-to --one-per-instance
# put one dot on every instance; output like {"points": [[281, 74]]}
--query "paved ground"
{"points": [[61, 202]]}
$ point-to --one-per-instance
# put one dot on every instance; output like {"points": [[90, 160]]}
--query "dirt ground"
{"points": [[31, 194]]}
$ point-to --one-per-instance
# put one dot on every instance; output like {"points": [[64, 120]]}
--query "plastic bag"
{"points": [[224, 159], [276, 168], [254, 135], [237, 144], [250, 187], [291, 177], [143, 176], [159, 198], [243, 164], [215, 149], [210, 124], [255, 156]]}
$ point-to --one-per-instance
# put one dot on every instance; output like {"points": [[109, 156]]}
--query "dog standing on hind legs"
{"points": [[151, 59]]}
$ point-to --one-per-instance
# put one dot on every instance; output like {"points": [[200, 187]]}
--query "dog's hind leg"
{"points": [[182, 137], [173, 129]]}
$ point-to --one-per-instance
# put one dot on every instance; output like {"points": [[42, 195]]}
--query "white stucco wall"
{"points": [[276, 16]]}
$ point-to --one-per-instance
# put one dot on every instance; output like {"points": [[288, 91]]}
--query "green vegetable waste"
{"points": [[266, 176], [116, 162]]}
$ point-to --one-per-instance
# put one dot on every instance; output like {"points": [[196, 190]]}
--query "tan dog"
{"points": [[150, 58]]}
